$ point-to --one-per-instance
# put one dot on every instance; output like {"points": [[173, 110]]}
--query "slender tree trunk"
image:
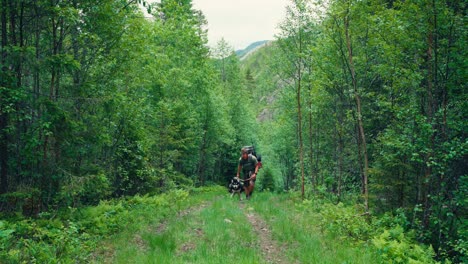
{"points": [[59, 51], [431, 108], [202, 164], [402, 175], [3, 115], [3, 153], [311, 150], [357, 99], [299, 116], [311, 138], [54, 52], [20, 124], [223, 69], [340, 156], [319, 178], [162, 136], [301, 144], [36, 114]]}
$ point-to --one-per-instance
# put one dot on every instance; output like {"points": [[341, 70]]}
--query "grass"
{"points": [[208, 226], [216, 232], [213, 228], [298, 230]]}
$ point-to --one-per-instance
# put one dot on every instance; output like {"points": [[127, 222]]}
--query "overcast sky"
{"points": [[241, 22]]}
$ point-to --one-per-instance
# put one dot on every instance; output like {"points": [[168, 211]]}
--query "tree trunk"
{"points": [[202, 164], [36, 166], [3, 154], [431, 109], [3, 115], [299, 116], [362, 146], [311, 138], [54, 52], [20, 124], [320, 179], [340, 157]]}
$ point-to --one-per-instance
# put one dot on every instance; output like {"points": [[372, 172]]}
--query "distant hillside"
{"points": [[243, 53], [260, 62]]}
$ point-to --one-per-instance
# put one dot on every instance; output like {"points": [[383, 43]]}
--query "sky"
{"points": [[241, 22]]}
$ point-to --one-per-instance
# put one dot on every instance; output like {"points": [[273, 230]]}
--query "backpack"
{"points": [[251, 151]]}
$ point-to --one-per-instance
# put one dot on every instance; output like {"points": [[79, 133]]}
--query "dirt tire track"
{"points": [[270, 249], [181, 214], [162, 227]]}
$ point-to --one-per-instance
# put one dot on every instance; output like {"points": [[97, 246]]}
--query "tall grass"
{"points": [[219, 232], [297, 229], [215, 233]]}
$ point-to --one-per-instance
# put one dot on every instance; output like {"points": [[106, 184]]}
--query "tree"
{"points": [[295, 41], [3, 112], [221, 53], [357, 97]]}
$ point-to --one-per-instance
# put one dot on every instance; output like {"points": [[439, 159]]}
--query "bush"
{"points": [[26, 200], [345, 221], [395, 247], [29, 241], [386, 233], [72, 238], [267, 181], [83, 190]]}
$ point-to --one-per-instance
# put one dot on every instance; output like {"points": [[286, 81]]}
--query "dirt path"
{"points": [[271, 251], [162, 227]]}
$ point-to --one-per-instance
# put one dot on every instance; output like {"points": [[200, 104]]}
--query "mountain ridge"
{"points": [[244, 53]]}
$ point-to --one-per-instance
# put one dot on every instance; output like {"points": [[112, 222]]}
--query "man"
{"points": [[250, 166]]}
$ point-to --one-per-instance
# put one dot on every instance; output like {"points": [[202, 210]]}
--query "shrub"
{"points": [[395, 247], [345, 221], [386, 233], [267, 180], [29, 241], [72, 238]]}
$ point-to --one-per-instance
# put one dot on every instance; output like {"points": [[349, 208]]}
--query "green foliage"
{"points": [[121, 105], [394, 243], [408, 66], [44, 241], [9, 98], [395, 247], [460, 245], [88, 189], [267, 180], [296, 224], [72, 236], [345, 221]]}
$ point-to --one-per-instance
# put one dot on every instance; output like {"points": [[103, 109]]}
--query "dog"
{"points": [[236, 187]]}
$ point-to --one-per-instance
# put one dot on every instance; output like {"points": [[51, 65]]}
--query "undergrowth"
{"points": [[72, 235], [387, 235]]}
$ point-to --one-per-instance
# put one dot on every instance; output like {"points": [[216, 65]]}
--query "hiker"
{"points": [[250, 166]]}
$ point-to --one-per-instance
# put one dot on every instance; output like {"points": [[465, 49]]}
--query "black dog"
{"points": [[236, 187]]}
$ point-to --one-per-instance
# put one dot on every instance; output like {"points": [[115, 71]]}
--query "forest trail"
{"points": [[270, 249], [222, 229]]}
